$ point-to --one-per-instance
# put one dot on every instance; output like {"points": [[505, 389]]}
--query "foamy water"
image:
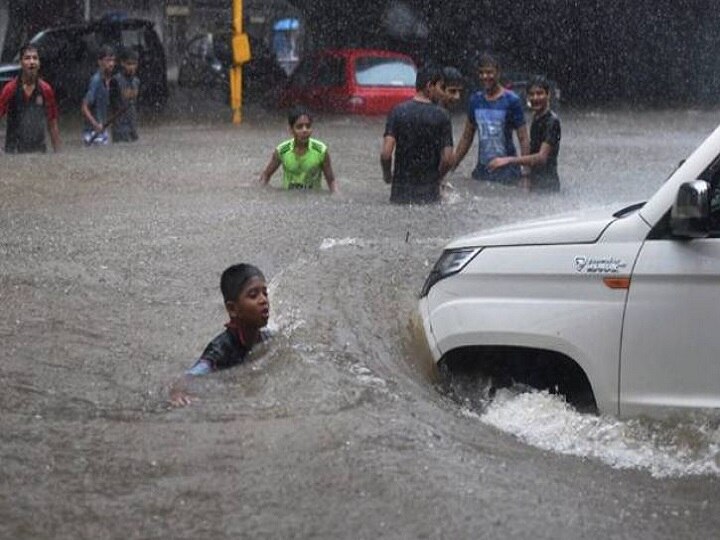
{"points": [[664, 449]]}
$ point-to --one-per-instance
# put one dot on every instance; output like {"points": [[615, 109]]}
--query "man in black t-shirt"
{"points": [[545, 136], [420, 135]]}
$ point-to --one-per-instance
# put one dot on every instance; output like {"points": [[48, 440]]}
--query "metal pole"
{"points": [[236, 71]]}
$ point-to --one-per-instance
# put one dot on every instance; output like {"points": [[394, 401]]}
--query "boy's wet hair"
{"points": [[296, 112], [541, 82], [105, 51], [488, 60], [428, 73], [28, 47], [452, 76], [235, 277], [128, 55]]}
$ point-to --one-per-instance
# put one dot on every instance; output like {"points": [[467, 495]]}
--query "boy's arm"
{"points": [[85, 108], [179, 394], [531, 160], [523, 139], [329, 174], [5, 96], [51, 113], [386, 157], [271, 168], [464, 144], [54, 134]]}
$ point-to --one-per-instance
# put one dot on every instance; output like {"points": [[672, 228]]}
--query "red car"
{"points": [[352, 81]]}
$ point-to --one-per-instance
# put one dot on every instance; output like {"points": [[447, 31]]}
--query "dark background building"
{"points": [[646, 51]]}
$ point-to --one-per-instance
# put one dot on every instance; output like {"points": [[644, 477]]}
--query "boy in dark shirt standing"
{"points": [[124, 89], [246, 300], [96, 102], [545, 136], [30, 105], [419, 133]]}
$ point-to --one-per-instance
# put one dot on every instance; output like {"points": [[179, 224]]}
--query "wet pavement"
{"points": [[109, 267]]}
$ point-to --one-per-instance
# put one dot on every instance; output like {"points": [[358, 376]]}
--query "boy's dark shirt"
{"points": [[124, 128], [421, 131], [228, 349], [546, 129]]}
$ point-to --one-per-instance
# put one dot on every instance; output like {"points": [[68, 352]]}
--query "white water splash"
{"points": [[548, 422], [329, 243]]}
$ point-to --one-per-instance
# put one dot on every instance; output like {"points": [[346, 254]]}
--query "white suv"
{"points": [[616, 310]]}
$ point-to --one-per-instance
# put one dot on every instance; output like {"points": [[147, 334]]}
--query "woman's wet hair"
{"points": [[296, 112], [539, 81], [235, 277]]}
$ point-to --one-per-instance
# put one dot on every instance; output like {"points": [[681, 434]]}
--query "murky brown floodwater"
{"points": [[109, 264]]}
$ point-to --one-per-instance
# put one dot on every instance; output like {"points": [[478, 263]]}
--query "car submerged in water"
{"points": [[616, 310]]}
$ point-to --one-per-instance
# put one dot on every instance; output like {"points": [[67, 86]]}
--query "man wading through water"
{"points": [[30, 105]]}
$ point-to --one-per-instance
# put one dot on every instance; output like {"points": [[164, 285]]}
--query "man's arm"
{"points": [[386, 155], [329, 174], [464, 144]]}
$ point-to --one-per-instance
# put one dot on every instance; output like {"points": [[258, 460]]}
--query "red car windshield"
{"points": [[379, 71]]}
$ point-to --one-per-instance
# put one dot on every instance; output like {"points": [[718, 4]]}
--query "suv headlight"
{"points": [[450, 262]]}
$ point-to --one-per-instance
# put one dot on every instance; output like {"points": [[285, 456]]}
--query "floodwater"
{"points": [[109, 268]]}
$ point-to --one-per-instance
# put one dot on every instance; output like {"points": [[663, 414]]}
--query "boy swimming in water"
{"points": [[302, 157], [246, 300]]}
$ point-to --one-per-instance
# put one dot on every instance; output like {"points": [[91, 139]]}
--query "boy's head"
{"points": [[429, 82], [300, 123], [129, 61], [489, 71], [453, 86], [29, 60], [245, 294], [106, 59], [538, 93]]}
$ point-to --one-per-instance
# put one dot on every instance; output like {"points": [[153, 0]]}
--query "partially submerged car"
{"points": [[351, 81], [615, 309]]}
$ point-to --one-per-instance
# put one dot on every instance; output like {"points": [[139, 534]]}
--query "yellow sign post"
{"points": [[241, 54]]}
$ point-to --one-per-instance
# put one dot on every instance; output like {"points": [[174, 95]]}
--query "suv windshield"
{"points": [[377, 71]]}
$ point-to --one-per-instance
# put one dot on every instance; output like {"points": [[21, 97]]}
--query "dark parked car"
{"points": [[68, 57], [207, 60]]}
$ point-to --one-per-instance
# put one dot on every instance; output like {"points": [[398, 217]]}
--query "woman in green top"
{"points": [[302, 157]]}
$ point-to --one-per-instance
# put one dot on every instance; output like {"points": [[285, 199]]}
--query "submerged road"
{"points": [[109, 268]]}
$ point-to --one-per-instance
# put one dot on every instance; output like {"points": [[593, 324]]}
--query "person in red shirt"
{"points": [[30, 105]]}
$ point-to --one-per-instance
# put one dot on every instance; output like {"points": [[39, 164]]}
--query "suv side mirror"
{"points": [[690, 214]]}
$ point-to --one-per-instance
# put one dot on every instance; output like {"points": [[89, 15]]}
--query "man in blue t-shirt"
{"points": [[495, 113]]}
